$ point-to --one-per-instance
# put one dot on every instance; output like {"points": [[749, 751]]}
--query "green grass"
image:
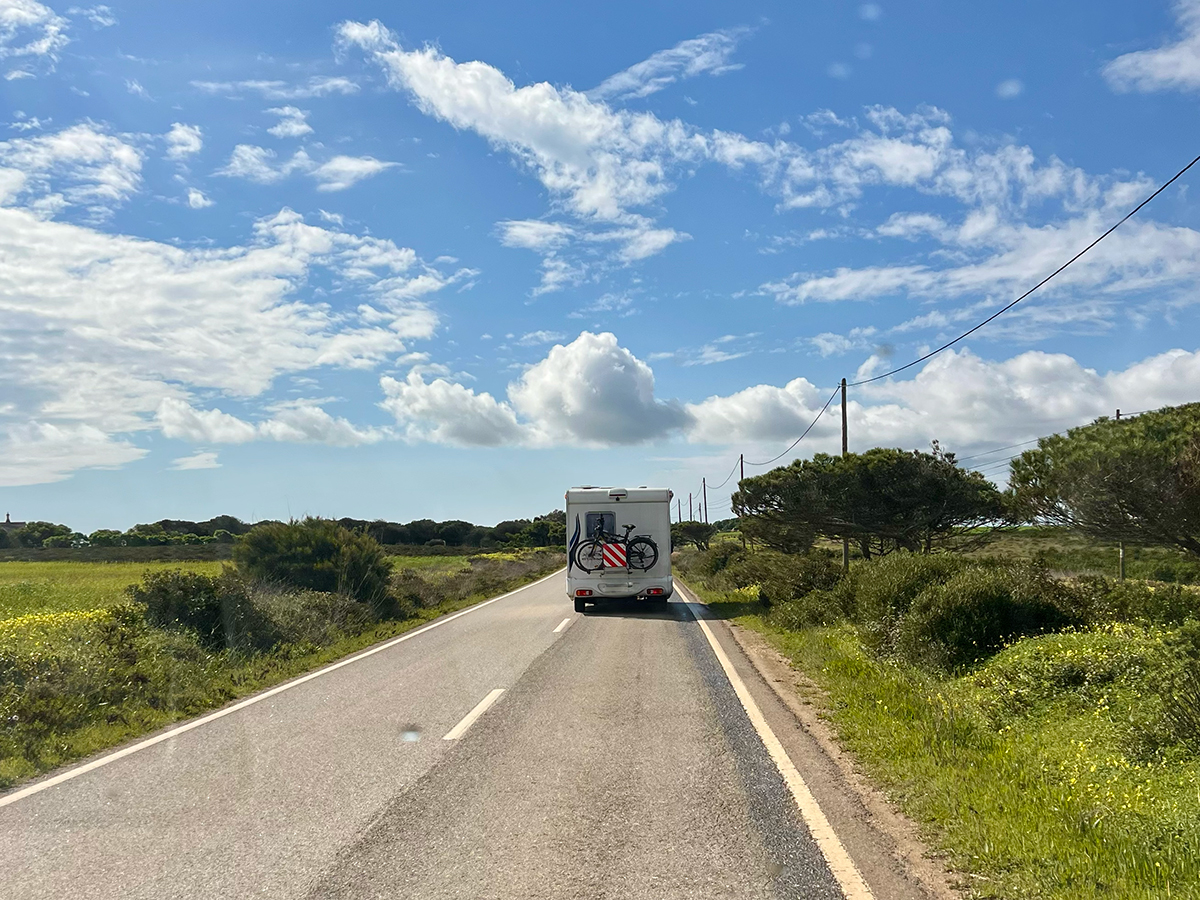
{"points": [[1032, 772], [51, 587], [80, 673]]}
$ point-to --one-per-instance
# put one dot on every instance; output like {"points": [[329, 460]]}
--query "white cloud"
{"points": [[81, 165], [965, 402], [839, 70], [597, 161], [292, 122], [99, 16], [204, 459], [135, 87], [31, 29], [536, 338], [1172, 66], [257, 164], [870, 12], [535, 234], [445, 413], [591, 392], [298, 422], [1009, 88], [342, 172], [316, 86], [43, 452], [183, 140], [196, 199], [708, 53], [116, 334]]}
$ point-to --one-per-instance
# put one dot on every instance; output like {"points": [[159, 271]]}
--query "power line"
{"points": [[1129, 215], [727, 477], [802, 437], [997, 450]]}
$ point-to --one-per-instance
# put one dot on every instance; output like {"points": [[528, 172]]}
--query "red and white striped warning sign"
{"points": [[614, 555]]}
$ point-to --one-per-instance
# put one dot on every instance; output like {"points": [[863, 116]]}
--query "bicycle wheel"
{"points": [[589, 555], [641, 553]]}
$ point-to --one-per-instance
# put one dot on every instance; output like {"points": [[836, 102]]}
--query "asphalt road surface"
{"points": [[614, 761]]}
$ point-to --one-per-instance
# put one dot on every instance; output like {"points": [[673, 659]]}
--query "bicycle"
{"points": [[608, 550]]}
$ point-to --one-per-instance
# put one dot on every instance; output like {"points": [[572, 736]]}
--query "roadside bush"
{"points": [[783, 577], [217, 609], [816, 608], [309, 618], [884, 589], [977, 611], [319, 555], [1103, 600]]}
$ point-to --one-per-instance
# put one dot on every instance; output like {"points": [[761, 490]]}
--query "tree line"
{"points": [[547, 530], [1134, 479]]}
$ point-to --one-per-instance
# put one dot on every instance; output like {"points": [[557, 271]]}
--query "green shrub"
{"points": [[309, 618], [783, 577], [816, 608], [1103, 600], [217, 609], [977, 611], [885, 588], [319, 555], [1180, 686]]}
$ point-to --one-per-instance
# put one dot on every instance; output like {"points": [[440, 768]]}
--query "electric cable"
{"points": [[1129, 215], [803, 436]]}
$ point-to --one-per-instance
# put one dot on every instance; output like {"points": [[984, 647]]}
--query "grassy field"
{"points": [[27, 588], [82, 670], [1054, 768]]}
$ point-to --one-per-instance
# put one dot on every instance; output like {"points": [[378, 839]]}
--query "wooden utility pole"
{"points": [[690, 519], [741, 478], [1121, 544], [704, 490], [845, 450], [679, 509]]}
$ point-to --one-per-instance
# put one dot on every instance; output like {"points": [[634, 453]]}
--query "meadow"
{"points": [[85, 666]]}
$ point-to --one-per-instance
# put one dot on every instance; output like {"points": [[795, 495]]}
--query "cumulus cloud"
{"points": [[79, 166], [964, 401], [1172, 66], [708, 53], [197, 199], [42, 452], [183, 141], [116, 334], [591, 392], [316, 86], [292, 122], [258, 164]]}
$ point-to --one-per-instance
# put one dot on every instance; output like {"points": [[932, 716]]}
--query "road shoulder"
{"points": [[884, 844]]}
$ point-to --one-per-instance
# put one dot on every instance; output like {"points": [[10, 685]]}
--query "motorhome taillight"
{"points": [[654, 592], [584, 592]]}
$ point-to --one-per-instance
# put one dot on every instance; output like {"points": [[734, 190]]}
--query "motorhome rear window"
{"points": [[601, 520]]}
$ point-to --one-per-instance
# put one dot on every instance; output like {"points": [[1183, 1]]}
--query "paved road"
{"points": [[617, 763]]}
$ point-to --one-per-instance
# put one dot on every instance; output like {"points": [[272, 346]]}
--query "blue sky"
{"points": [[406, 260]]}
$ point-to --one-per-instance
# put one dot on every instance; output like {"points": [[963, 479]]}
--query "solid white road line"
{"points": [[469, 719], [562, 625], [250, 701], [840, 864]]}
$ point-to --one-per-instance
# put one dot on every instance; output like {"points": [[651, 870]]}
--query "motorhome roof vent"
{"points": [[618, 494]]}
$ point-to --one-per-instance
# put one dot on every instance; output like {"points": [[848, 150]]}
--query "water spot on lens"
{"points": [[774, 869], [410, 733]]}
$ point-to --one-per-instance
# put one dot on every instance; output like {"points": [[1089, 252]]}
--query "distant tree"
{"points": [[221, 536], [34, 534], [882, 500], [696, 533], [1132, 479], [105, 537], [726, 524], [75, 539]]}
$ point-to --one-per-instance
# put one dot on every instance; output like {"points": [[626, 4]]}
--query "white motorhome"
{"points": [[612, 510]]}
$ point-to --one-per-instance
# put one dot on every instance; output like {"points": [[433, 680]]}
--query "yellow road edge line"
{"points": [[849, 879], [250, 701], [469, 719]]}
